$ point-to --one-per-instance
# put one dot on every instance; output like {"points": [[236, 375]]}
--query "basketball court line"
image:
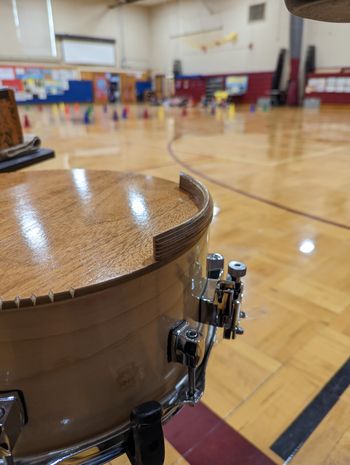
{"points": [[249, 195], [293, 438]]}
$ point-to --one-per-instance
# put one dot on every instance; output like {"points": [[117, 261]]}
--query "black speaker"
{"points": [[310, 59], [277, 75], [177, 68]]}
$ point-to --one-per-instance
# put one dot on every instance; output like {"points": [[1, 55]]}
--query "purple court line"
{"points": [[271, 203]]}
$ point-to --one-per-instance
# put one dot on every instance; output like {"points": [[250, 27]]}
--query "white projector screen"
{"points": [[85, 52]]}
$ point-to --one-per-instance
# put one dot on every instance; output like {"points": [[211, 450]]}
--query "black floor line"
{"points": [[292, 439]]}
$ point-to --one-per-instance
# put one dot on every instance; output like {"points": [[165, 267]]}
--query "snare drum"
{"points": [[108, 309]]}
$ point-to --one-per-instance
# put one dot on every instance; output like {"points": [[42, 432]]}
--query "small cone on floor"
{"points": [[145, 114], [67, 111], [115, 116], [161, 113], [252, 108], [125, 113], [87, 115], [184, 111], [105, 108], [26, 123], [232, 111], [62, 108]]}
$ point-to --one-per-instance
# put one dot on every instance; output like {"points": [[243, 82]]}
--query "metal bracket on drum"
{"points": [[220, 303], [147, 442], [12, 420], [187, 347]]}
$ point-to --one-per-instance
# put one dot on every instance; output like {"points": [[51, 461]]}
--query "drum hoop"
{"points": [[112, 444]]}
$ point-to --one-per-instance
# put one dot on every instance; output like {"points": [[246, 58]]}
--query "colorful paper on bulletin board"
{"points": [[237, 85], [340, 85], [347, 86], [316, 85], [330, 84], [6, 74], [39, 83], [14, 84], [100, 89]]}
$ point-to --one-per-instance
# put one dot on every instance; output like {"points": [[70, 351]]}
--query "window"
{"points": [[257, 12]]}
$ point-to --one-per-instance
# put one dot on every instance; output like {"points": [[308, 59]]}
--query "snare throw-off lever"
{"points": [[220, 303]]}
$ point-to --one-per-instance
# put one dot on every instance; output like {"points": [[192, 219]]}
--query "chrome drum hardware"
{"points": [[187, 347], [219, 307], [12, 420], [220, 303]]}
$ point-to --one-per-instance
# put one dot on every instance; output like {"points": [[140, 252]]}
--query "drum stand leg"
{"points": [[147, 439]]}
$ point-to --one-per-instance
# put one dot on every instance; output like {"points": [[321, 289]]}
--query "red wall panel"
{"points": [[190, 87], [259, 85]]}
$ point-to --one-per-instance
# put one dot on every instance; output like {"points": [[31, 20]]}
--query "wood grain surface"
{"points": [[61, 231], [10, 124]]}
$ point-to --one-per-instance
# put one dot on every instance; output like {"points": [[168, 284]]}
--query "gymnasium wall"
{"points": [[255, 50], [89, 18], [331, 42], [78, 17]]}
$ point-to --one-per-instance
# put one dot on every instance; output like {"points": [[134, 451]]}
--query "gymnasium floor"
{"points": [[281, 189]]}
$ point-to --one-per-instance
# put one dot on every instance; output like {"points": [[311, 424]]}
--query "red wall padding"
{"points": [[259, 85]]}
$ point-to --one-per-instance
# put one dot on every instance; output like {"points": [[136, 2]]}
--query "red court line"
{"points": [[203, 438], [271, 203]]}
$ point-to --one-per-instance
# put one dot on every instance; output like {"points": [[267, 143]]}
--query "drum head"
{"points": [[64, 231]]}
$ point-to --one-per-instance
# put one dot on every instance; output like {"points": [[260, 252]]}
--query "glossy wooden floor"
{"points": [[280, 182]]}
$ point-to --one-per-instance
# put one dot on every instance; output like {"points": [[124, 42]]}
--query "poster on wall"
{"points": [[340, 85], [316, 85], [330, 84], [37, 83], [236, 85], [347, 85], [7, 73]]}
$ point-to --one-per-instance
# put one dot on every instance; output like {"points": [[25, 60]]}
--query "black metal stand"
{"points": [[147, 441], [20, 161]]}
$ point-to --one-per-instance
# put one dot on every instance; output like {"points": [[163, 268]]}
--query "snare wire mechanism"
{"points": [[220, 303], [220, 307]]}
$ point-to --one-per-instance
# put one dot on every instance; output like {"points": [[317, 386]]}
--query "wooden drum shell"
{"points": [[83, 363]]}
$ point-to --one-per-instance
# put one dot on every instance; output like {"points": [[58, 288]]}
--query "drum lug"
{"points": [[187, 346], [147, 442], [220, 303], [12, 420]]}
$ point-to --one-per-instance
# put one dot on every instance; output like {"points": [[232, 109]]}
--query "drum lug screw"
{"points": [[186, 346]]}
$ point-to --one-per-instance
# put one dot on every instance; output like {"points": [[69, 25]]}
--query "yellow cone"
{"points": [[232, 111], [161, 113]]}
